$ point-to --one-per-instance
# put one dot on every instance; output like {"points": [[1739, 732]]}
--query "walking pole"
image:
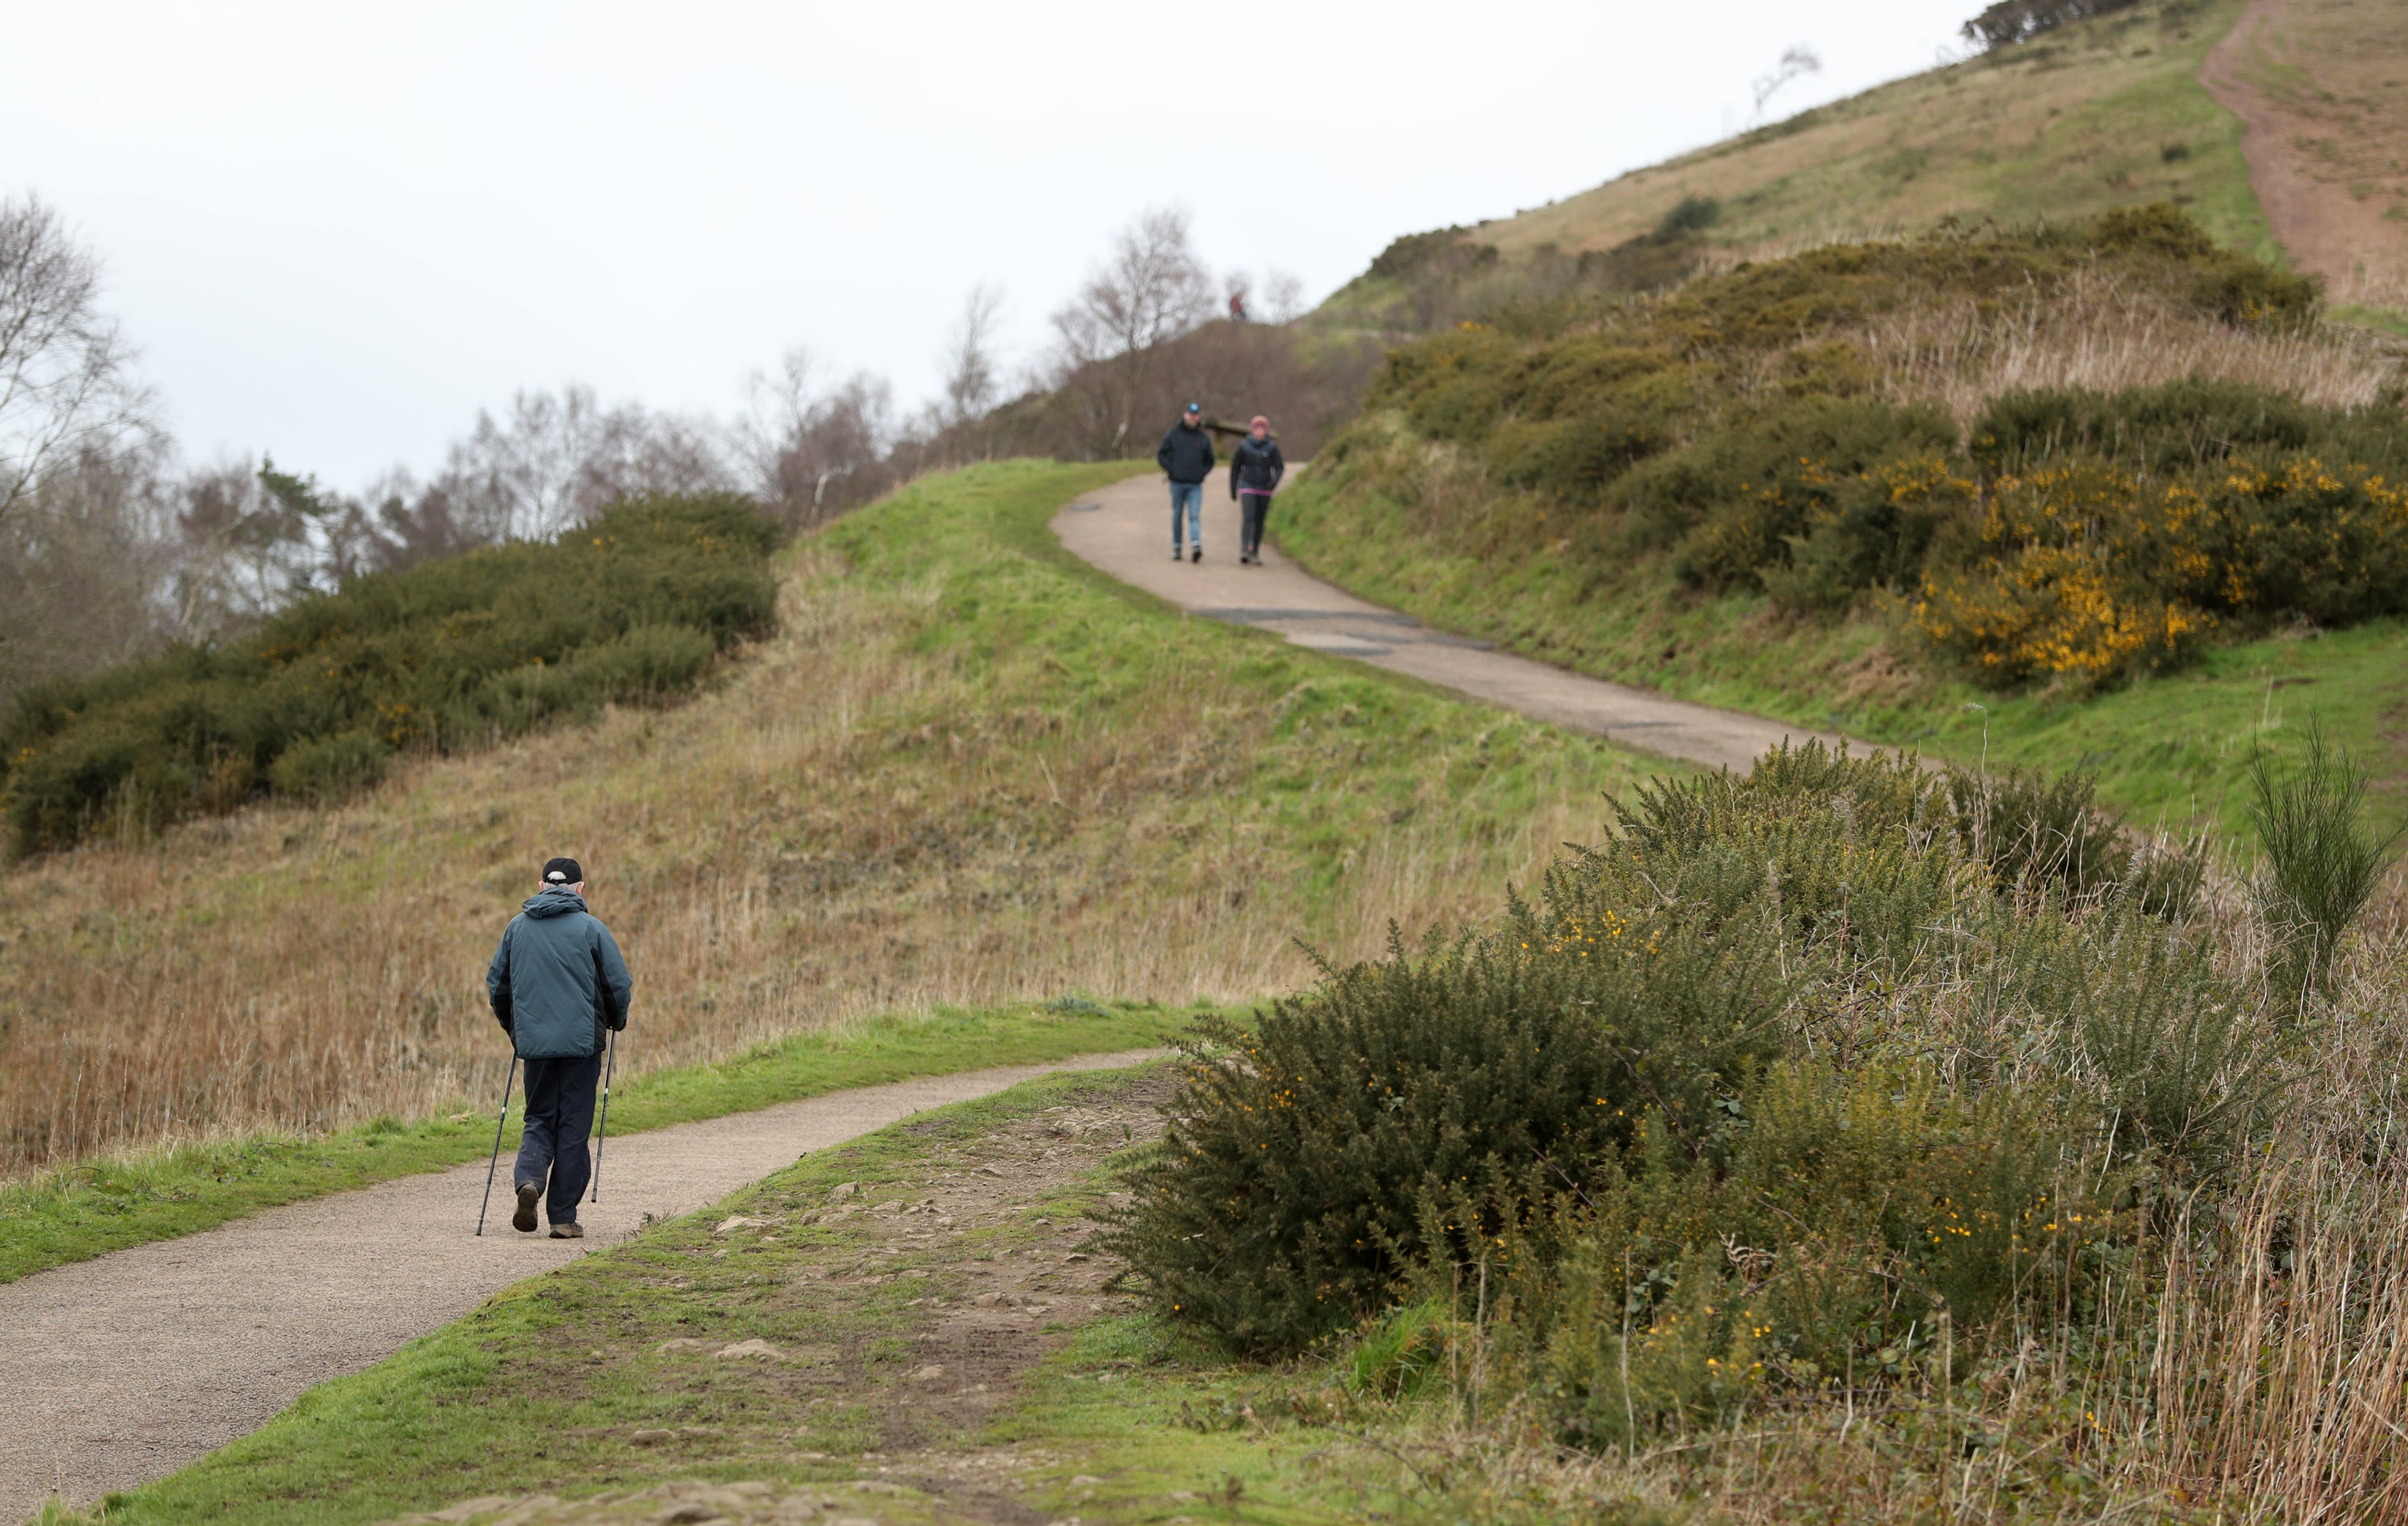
{"points": [[610, 1068], [495, 1162]]}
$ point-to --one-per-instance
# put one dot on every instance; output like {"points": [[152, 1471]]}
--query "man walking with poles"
{"points": [[559, 990]]}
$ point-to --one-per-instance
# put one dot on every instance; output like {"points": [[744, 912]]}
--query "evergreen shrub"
{"points": [[1650, 1116], [447, 654]]}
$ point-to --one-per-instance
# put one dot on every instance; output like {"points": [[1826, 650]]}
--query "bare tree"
{"points": [[519, 479], [973, 374], [1150, 290], [66, 381], [816, 454], [83, 562], [1797, 61], [1283, 297], [561, 458]]}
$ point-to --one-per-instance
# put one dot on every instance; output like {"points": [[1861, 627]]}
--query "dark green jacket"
{"points": [[557, 980]]}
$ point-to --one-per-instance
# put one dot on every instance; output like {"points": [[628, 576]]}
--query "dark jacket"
{"points": [[557, 980], [1259, 466], [1186, 453]]}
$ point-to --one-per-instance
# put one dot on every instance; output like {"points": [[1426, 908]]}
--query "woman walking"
{"points": [[1254, 473]]}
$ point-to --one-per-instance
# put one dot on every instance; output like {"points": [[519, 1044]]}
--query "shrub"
{"points": [[445, 654], [1855, 1211], [2089, 573], [1737, 496], [1443, 1095], [1837, 1071], [2321, 860], [2154, 431], [2033, 829], [326, 768], [2173, 1054]]}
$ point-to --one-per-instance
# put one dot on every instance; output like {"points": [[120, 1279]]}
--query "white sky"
{"points": [[338, 230]]}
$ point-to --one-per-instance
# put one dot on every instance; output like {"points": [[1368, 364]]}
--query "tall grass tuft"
{"points": [[2321, 860]]}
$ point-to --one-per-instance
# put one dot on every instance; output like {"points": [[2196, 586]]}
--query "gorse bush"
{"points": [[1445, 1092], [1729, 1104], [446, 654], [1757, 430], [2088, 572]]}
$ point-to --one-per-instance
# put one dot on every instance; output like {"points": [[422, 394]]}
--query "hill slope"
{"points": [[965, 766], [1967, 492], [2277, 126]]}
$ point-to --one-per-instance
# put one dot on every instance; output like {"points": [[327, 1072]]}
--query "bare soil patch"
{"points": [[2321, 87]]}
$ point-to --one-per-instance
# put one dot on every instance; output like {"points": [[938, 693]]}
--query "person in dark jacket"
{"points": [[1255, 468], [1186, 457], [557, 982]]}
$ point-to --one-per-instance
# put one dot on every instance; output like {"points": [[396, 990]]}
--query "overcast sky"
{"points": [[337, 231]]}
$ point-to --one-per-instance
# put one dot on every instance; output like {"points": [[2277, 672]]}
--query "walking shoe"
{"points": [[1198, 554], [1178, 555], [570, 1231], [524, 1220]]}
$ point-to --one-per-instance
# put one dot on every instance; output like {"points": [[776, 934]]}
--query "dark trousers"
{"points": [[1256, 508], [559, 1117]]}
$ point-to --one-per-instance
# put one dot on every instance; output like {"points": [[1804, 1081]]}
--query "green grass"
{"points": [[90, 1209], [1063, 761], [2169, 750], [539, 1387]]}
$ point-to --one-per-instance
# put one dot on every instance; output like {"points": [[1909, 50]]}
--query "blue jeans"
{"points": [[559, 1117], [1191, 495]]}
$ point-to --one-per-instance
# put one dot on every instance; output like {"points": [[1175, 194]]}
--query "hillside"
{"points": [[2279, 136], [965, 770], [1960, 491]]}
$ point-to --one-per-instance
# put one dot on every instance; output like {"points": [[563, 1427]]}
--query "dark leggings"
{"points": [[1257, 508]]}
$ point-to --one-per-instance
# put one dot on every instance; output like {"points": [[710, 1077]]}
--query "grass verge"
{"points": [[89, 1210]]}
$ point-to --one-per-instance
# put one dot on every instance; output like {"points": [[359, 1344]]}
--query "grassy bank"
{"points": [[2168, 749], [968, 771], [89, 1210]]}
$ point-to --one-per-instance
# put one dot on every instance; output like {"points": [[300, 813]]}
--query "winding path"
{"points": [[120, 1370], [1123, 530]]}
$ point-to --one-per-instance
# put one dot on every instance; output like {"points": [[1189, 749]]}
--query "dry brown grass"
{"points": [[2104, 331], [2059, 129], [866, 818]]}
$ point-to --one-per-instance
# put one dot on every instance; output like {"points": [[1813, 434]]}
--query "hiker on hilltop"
{"points": [[1254, 472], [557, 982], [1186, 457]]}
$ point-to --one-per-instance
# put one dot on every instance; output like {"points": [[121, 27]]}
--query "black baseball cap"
{"points": [[1192, 408], [563, 872]]}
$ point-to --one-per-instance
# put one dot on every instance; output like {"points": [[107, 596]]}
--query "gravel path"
{"points": [[117, 1371], [1124, 531]]}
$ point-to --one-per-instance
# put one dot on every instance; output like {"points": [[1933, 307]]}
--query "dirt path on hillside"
{"points": [[1124, 531], [117, 1371], [2321, 89]]}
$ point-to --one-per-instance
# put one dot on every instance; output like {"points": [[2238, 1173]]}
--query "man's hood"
{"points": [[559, 901]]}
